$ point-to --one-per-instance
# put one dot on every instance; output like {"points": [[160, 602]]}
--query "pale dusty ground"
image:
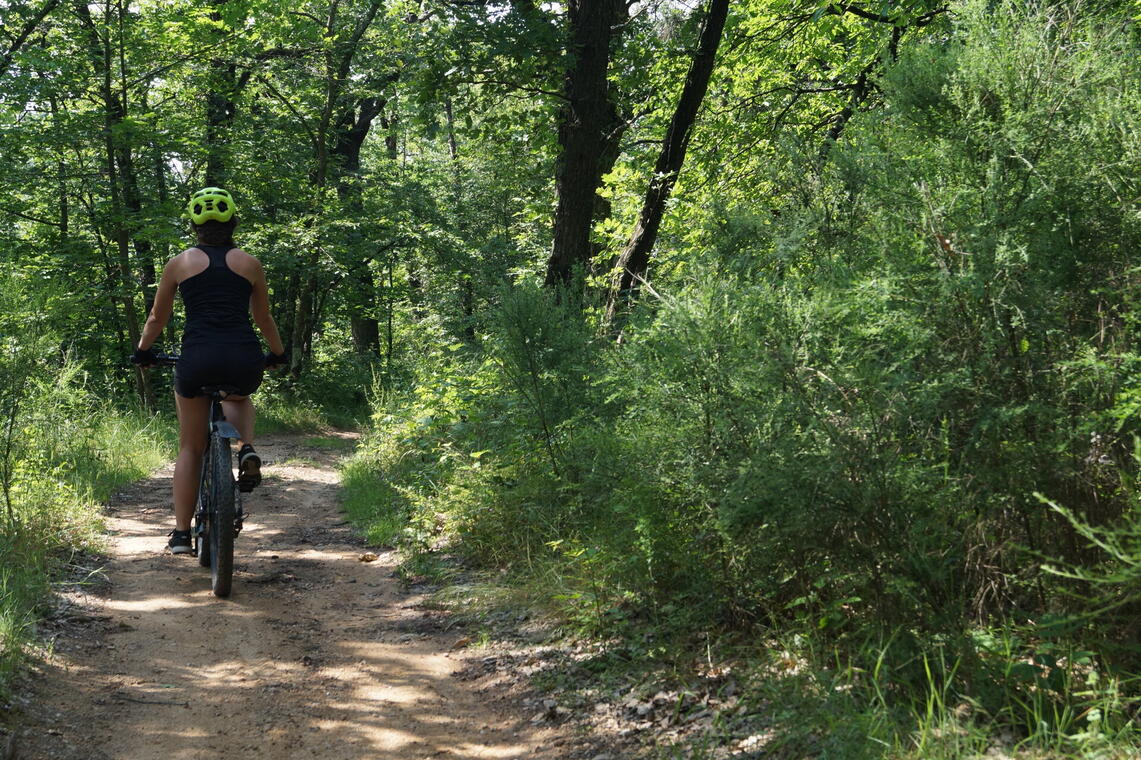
{"points": [[316, 654]]}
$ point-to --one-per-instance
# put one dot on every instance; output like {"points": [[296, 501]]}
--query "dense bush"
{"points": [[846, 430]]}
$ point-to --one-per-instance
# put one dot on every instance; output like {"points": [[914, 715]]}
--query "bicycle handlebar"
{"points": [[169, 360]]}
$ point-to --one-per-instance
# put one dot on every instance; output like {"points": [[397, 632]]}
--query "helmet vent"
{"points": [[211, 204]]}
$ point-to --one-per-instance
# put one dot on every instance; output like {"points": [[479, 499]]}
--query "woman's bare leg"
{"points": [[193, 414], [239, 411]]}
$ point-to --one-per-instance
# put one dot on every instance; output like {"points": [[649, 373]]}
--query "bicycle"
{"points": [[218, 513]]}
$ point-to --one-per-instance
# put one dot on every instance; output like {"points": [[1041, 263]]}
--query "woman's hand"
{"points": [[144, 357]]}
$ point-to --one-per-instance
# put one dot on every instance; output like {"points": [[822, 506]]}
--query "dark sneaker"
{"points": [[179, 542], [249, 469]]}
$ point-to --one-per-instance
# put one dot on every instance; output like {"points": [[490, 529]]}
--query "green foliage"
{"points": [[64, 448], [407, 457], [1108, 586], [832, 425], [544, 352], [63, 452], [893, 300]]}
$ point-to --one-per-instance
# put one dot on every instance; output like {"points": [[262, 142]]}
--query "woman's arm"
{"points": [[162, 307], [259, 309]]}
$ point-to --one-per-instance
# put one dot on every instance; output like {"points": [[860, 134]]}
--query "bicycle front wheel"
{"points": [[221, 525]]}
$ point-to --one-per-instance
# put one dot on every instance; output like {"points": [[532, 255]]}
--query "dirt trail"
{"points": [[315, 654]]}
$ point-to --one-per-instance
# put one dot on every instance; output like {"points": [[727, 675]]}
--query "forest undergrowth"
{"points": [[871, 448], [63, 451], [856, 458]]}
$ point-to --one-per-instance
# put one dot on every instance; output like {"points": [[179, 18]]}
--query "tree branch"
{"points": [[26, 32], [516, 86], [309, 16], [840, 9], [297, 115], [33, 218]]}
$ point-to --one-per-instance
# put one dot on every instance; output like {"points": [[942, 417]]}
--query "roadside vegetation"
{"points": [[870, 448], [63, 451], [68, 440]]}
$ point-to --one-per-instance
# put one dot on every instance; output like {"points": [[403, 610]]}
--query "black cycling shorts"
{"points": [[238, 366]]}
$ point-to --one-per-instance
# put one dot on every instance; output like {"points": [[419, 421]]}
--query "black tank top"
{"points": [[217, 303]]}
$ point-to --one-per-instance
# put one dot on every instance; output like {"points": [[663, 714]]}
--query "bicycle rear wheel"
{"points": [[221, 516]]}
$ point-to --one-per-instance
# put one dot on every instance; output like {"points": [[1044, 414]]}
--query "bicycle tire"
{"points": [[221, 516], [201, 511]]}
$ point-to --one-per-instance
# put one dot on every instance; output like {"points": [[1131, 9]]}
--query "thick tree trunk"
{"points": [[350, 136], [220, 112], [391, 146], [635, 259], [301, 339], [363, 324], [338, 65], [117, 157], [219, 107], [586, 119]]}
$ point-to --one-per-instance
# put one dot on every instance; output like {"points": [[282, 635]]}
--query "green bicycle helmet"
{"points": [[211, 203]]}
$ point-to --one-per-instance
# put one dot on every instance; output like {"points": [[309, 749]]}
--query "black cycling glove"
{"points": [[276, 360], [144, 357]]}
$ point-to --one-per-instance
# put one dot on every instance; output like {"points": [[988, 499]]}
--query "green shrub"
{"points": [[63, 450], [839, 437]]}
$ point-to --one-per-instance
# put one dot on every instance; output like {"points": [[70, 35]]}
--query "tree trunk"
{"points": [[635, 259], [390, 307], [286, 297], [219, 106], [391, 147], [220, 112], [158, 167], [585, 121], [467, 273], [350, 136], [116, 156], [301, 339], [338, 65]]}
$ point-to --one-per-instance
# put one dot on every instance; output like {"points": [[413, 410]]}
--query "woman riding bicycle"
{"points": [[221, 286]]}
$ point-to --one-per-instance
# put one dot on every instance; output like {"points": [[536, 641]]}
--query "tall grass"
{"points": [[67, 450]]}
